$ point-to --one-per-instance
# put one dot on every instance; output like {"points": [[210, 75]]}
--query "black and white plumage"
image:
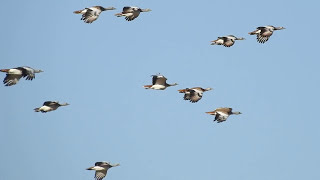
{"points": [[159, 82], [14, 74], [264, 32], [49, 106], [91, 14], [101, 169], [226, 41], [131, 12], [193, 94], [222, 114]]}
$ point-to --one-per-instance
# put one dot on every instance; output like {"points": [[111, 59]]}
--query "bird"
{"points": [[101, 169], [221, 114], [226, 41], [131, 12], [193, 94], [264, 32], [14, 74], [49, 106], [91, 14], [159, 83]]}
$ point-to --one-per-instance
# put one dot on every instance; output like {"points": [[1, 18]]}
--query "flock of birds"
{"points": [[159, 82], [91, 14]]}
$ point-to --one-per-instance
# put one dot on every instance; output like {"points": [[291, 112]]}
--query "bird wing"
{"points": [[220, 117], [127, 9], [261, 28], [195, 95], [101, 163], [98, 163], [224, 110], [48, 103], [264, 34], [29, 73], [131, 12], [160, 80], [187, 94], [100, 174], [223, 38], [90, 15], [261, 38], [11, 79], [228, 42]]}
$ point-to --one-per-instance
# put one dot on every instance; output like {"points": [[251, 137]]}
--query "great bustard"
{"points": [[226, 41], [221, 114], [101, 169], [264, 32], [193, 94], [159, 82], [131, 12], [49, 106], [14, 74], [91, 14]]}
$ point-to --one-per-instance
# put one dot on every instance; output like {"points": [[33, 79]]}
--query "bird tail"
{"points": [[211, 113], [119, 14], [147, 86], [214, 42], [253, 32], [182, 90], [4, 70], [37, 109], [77, 12]]}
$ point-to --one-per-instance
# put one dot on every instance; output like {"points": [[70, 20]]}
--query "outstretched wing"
{"points": [[100, 174], [47, 103], [262, 39], [160, 80], [188, 94], [11, 79], [90, 15], [127, 9], [195, 97], [220, 117], [29, 73]]}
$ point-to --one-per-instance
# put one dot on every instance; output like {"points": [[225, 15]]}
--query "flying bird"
{"points": [[14, 74], [91, 14], [221, 114], [226, 41], [101, 169], [159, 82], [131, 12], [193, 94], [49, 106], [264, 32]]}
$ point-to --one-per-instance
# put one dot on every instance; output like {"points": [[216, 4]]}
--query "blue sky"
{"points": [[100, 68]]}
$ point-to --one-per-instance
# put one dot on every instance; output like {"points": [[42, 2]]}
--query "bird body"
{"points": [[131, 12], [226, 41], [263, 33], [15, 74], [159, 82], [193, 94], [91, 14], [222, 114], [49, 106], [101, 169]]}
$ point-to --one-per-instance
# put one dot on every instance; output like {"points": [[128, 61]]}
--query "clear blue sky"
{"points": [[100, 68]]}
